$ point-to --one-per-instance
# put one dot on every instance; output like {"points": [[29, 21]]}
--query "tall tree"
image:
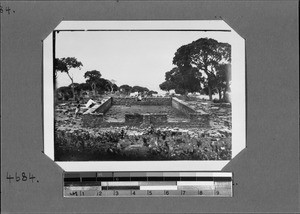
{"points": [[64, 65], [204, 54], [167, 85], [99, 84], [125, 89], [150, 93], [75, 87], [84, 87], [183, 80], [110, 85], [223, 79], [92, 78], [139, 89], [103, 85], [113, 85]]}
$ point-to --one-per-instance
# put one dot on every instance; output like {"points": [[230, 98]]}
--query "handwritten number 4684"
{"points": [[7, 10], [20, 177]]}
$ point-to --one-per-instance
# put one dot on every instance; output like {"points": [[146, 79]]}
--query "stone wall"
{"points": [[146, 118], [96, 120], [196, 117], [156, 101], [93, 117], [100, 108], [182, 106], [92, 110], [133, 118], [104, 106], [158, 118]]}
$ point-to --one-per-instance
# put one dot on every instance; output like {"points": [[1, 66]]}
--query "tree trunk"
{"points": [[224, 94], [72, 86], [209, 85], [73, 91], [220, 94], [209, 93], [94, 88]]}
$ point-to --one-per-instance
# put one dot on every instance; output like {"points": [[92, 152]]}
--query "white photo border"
{"points": [[238, 96]]}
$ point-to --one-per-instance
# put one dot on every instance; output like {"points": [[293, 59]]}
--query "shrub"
{"points": [[152, 144]]}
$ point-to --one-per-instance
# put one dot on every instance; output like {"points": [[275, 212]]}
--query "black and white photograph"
{"points": [[142, 94], [149, 106]]}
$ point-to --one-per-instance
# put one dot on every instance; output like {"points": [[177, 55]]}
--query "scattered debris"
{"points": [[90, 103]]}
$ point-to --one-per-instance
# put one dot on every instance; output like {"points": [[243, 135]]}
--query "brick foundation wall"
{"points": [[182, 106], [92, 110], [156, 101], [146, 118], [94, 117], [104, 107], [197, 117], [158, 118], [133, 118], [100, 108], [96, 120]]}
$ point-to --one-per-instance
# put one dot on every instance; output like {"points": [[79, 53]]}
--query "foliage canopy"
{"points": [[202, 64]]}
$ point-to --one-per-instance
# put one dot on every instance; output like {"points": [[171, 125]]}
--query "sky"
{"points": [[128, 57]]}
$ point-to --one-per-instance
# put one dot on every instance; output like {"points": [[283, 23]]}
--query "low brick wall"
{"points": [[197, 117], [155, 101], [92, 110], [105, 106], [182, 106], [92, 120], [96, 120], [158, 118], [195, 124], [100, 108], [146, 118], [94, 117]]}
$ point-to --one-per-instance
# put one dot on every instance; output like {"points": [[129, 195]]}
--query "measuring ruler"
{"points": [[147, 184]]}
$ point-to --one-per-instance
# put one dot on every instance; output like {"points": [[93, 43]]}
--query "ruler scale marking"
{"points": [[148, 184]]}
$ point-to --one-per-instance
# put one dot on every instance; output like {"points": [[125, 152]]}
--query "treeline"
{"points": [[202, 66], [127, 89], [94, 81]]}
